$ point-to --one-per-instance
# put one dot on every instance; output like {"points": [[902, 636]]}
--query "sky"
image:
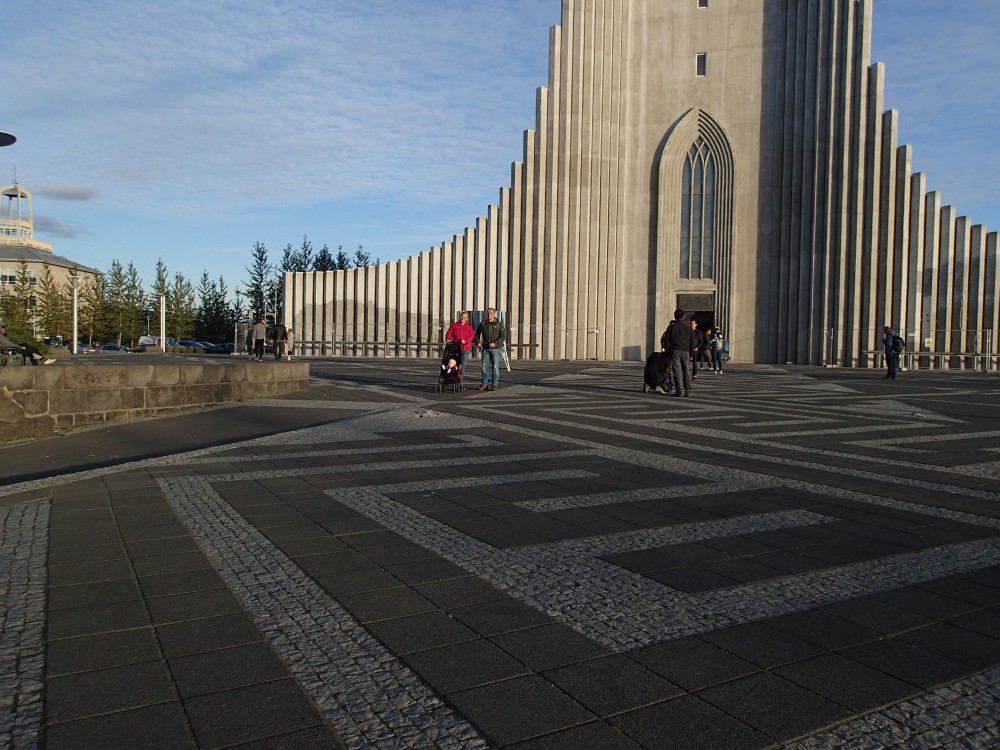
{"points": [[191, 130]]}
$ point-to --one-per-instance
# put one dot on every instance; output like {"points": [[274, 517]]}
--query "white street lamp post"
{"points": [[76, 311]]}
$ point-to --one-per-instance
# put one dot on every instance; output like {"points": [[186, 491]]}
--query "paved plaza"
{"points": [[795, 557]]}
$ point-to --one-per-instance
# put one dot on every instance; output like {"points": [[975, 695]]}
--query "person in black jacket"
{"points": [[490, 336], [680, 347]]}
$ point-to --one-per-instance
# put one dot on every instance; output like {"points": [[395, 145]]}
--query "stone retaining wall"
{"points": [[35, 400]]}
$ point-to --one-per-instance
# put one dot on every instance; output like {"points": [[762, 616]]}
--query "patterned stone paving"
{"points": [[782, 561]]}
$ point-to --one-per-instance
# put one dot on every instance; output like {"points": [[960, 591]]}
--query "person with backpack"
{"points": [[893, 345]]}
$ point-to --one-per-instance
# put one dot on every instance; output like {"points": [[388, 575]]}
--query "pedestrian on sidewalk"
{"points": [[680, 347], [490, 337], [259, 337]]}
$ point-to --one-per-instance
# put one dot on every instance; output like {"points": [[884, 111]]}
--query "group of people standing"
{"points": [[282, 337], [489, 336], [686, 346]]}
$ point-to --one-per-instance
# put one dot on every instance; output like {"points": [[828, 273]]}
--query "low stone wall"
{"points": [[36, 400]]}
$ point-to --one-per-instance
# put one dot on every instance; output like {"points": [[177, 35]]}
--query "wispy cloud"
{"points": [[76, 193], [47, 226]]}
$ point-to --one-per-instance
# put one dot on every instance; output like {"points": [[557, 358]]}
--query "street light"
{"points": [[73, 278]]}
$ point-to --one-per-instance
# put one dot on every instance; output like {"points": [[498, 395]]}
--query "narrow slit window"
{"points": [[702, 3], [701, 66]]}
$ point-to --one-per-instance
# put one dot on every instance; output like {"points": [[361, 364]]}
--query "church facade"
{"points": [[733, 159]]}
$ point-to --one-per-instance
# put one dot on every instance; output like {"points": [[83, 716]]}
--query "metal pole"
{"points": [[163, 323], [76, 312]]}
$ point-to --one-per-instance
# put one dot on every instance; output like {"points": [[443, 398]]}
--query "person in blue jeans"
{"points": [[490, 336]]}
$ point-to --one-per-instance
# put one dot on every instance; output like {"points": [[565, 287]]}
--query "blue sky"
{"points": [[192, 129]]}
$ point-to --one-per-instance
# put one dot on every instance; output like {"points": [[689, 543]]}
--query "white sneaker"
{"points": [[47, 361]]}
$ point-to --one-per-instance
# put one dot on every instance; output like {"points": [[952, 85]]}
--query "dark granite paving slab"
{"points": [[148, 645], [518, 709]]}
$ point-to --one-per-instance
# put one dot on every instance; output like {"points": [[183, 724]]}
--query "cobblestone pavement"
{"points": [[798, 558]]}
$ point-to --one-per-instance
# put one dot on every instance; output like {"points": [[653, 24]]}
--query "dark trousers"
{"points": [[258, 348], [892, 362], [680, 364]]}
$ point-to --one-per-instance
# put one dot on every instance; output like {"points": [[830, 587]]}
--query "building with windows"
{"points": [[733, 159], [20, 253]]}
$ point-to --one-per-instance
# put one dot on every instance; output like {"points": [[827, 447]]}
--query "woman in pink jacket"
{"points": [[460, 332]]}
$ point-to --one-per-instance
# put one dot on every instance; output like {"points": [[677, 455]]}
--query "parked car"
{"points": [[82, 348], [114, 349], [196, 345], [154, 341], [222, 349]]}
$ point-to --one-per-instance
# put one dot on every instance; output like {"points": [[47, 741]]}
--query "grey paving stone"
{"points": [[159, 727], [384, 604], [311, 545], [405, 635], [357, 581], [208, 634], [519, 709], [171, 563], [908, 662], [250, 713], [466, 665], [761, 644], [101, 651], [193, 606], [500, 616], [957, 643], [94, 594], [92, 553], [314, 738], [692, 663], [873, 613], [459, 592], [688, 722], [185, 582], [88, 572], [612, 684], [225, 669], [593, 735], [773, 706], [426, 571], [69, 623], [78, 696], [549, 646], [846, 682], [823, 629]]}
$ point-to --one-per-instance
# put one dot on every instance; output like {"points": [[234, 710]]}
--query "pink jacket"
{"points": [[461, 332]]}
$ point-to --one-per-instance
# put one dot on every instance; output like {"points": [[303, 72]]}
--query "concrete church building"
{"points": [[730, 157]]}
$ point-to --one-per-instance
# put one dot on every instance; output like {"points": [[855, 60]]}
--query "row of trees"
{"points": [[117, 307]]}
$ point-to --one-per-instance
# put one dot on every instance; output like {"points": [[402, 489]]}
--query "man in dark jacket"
{"points": [[490, 336], [680, 346]]}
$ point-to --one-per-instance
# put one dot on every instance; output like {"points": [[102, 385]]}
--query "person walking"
{"points": [[460, 332], [490, 337], [279, 334], [718, 346], [290, 342], [891, 355], [259, 337], [697, 343], [680, 348]]}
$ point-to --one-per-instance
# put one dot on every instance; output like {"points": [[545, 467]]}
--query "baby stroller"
{"points": [[451, 369]]}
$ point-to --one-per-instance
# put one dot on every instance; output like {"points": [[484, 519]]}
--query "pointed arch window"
{"points": [[697, 212]]}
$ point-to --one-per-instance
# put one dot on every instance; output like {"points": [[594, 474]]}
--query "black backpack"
{"points": [[898, 344]]}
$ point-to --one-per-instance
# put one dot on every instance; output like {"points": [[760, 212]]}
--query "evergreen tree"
{"points": [[215, 315], [258, 270], [53, 307], [361, 258], [342, 263], [323, 260], [135, 304], [181, 307], [18, 297], [93, 310]]}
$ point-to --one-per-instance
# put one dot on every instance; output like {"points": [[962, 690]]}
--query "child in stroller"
{"points": [[451, 369]]}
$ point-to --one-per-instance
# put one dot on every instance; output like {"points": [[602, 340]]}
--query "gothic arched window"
{"points": [[697, 212]]}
